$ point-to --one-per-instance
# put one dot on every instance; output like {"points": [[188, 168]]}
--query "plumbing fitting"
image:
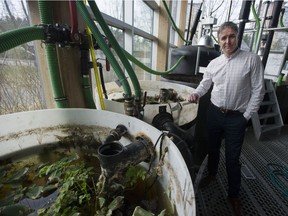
{"points": [[164, 121], [57, 34], [116, 134], [138, 109], [129, 106], [114, 157]]}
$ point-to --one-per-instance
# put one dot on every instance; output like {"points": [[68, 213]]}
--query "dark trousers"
{"points": [[230, 126]]}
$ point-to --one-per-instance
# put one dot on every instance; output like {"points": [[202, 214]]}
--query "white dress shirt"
{"points": [[238, 82]]}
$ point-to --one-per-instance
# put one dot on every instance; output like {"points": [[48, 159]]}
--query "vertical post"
{"points": [[244, 16], [273, 24], [163, 36], [68, 57]]}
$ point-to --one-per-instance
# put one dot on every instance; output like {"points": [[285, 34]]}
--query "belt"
{"points": [[226, 111]]}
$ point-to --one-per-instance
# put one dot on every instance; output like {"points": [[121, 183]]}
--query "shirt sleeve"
{"points": [[205, 83], [257, 88]]}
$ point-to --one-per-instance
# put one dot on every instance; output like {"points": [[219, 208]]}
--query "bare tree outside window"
{"points": [[142, 50], [20, 83], [112, 8], [143, 16]]}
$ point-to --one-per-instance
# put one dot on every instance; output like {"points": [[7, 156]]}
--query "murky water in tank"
{"points": [[30, 185]]}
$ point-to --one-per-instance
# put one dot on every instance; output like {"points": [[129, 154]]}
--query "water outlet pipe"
{"points": [[114, 157], [181, 138]]}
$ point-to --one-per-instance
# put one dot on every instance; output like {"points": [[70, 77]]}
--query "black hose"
{"points": [[195, 23], [189, 20], [181, 138], [102, 80], [116, 134]]}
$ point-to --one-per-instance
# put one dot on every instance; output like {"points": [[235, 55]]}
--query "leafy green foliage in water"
{"points": [[73, 185], [69, 186], [133, 174]]}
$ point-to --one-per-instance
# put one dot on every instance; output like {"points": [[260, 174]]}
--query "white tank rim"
{"points": [[176, 180]]}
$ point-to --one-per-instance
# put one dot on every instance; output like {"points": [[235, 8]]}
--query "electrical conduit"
{"points": [[58, 92]]}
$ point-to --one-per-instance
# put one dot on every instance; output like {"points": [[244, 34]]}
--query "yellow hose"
{"points": [[96, 72]]}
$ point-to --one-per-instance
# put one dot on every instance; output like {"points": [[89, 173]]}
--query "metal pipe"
{"points": [[189, 20], [197, 60], [229, 11], [262, 26], [244, 16], [268, 29], [276, 29], [273, 23], [195, 24]]}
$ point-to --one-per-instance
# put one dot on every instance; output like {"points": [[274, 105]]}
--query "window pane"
{"points": [[274, 62], [110, 76], [112, 8], [20, 81], [143, 16], [173, 12], [142, 51]]}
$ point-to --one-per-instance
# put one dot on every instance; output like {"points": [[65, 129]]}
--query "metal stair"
{"points": [[268, 118]]}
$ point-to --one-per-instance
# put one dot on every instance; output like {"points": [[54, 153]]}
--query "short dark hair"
{"points": [[227, 25]]}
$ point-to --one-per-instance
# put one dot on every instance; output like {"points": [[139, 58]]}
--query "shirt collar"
{"points": [[234, 54]]}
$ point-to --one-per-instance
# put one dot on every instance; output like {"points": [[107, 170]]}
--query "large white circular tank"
{"points": [[21, 131], [183, 112]]}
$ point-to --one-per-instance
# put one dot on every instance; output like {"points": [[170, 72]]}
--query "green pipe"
{"points": [[87, 92], [257, 20], [45, 10], [20, 36], [104, 47], [117, 48], [144, 67], [173, 23], [53, 65], [281, 21]]}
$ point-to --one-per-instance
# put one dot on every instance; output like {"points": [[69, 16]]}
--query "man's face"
{"points": [[228, 41]]}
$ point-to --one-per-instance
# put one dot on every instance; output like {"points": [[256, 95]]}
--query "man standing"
{"points": [[238, 89]]}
